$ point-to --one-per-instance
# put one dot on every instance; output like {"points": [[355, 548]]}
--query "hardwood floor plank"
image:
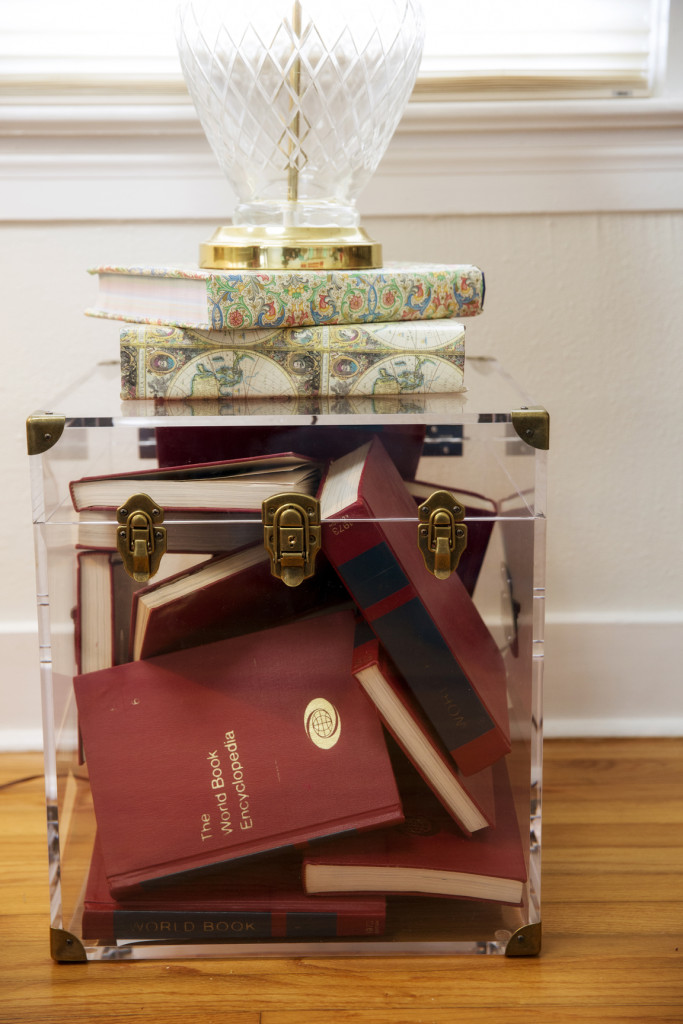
{"points": [[479, 1015], [613, 925]]}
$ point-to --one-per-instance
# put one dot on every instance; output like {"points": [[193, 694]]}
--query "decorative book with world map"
{"points": [[242, 299], [247, 745], [409, 357]]}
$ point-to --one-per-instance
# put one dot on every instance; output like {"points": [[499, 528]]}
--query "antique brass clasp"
{"points": [[441, 534], [141, 540], [291, 536]]}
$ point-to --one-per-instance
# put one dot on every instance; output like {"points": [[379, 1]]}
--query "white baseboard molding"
{"points": [[18, 740], [605, 676]]}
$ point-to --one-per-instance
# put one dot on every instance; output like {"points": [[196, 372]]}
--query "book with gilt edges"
{"points": [[411, 357], [247, 745], [221, 300], [429, 627], [260, 899]]}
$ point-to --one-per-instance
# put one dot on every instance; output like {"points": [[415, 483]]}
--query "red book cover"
{"points": [[178, 446], [427, 854], [235, 484], [246, 745], [224, 597], [262, 899], [430, 628], [469, 800]]}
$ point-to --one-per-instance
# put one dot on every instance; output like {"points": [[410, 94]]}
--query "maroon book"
{"points": [[224, 597], [428, 854], [262, 899], [215, 753], [469, 800], [430, 628], [235, 484], [177, 446]]}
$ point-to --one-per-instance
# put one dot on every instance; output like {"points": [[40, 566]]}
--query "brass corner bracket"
{"points": [[533, 426], [526, 941], [43, 430], [65, 948]]}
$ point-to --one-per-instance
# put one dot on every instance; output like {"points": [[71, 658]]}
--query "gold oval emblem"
{"points": [[322, 723]]}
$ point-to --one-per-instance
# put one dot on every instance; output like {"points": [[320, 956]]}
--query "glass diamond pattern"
{"points": [[309, 89]]}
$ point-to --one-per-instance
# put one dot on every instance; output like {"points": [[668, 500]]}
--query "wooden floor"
{"points": [[612, 924]]}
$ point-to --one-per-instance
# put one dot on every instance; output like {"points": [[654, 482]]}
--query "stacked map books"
{"points": [[221, 334]]}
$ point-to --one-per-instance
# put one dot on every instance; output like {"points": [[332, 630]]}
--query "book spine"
{"points": [[203, 926], [385, 295], [392, 607]]}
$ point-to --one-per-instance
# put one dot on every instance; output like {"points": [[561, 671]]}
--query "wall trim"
{"points": [[597, 671], [105, 161]]}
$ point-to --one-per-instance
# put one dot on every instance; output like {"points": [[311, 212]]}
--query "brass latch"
{"points": [[291, 536], [441, 534], [141, 540]]}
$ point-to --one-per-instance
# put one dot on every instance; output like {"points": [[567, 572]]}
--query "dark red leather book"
{"points": [[224, 597], [234, 484], [176, 446], [427, 854], [262, 899], [215, 753], [430, 628], [469, 800]]}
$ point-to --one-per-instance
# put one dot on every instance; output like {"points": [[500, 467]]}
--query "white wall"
{"points": [[575, 212]]}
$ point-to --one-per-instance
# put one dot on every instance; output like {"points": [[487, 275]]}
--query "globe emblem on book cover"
{"points": [[322, 723]]}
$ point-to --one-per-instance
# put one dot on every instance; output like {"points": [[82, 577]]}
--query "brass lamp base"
{"points": [[261, 248]]}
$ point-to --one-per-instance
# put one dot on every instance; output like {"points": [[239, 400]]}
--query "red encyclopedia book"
{"points": [[263, 899], [235, 484], [470, 800], [430, 628], [218, 752], [428, 854], [224, 597]]}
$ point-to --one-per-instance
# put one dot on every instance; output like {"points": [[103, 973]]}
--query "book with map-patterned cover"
{"points": [[219, 300], [413, 357]]}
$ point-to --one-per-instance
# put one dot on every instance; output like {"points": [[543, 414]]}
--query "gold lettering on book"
{"points": [[221, 790], [452, 709], [229, 926], [230, 745]]}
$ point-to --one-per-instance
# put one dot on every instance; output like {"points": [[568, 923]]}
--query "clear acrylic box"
{"points": [[487, 446]]}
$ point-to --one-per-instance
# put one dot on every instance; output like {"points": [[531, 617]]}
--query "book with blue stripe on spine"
{"points": [[430, 628]]}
